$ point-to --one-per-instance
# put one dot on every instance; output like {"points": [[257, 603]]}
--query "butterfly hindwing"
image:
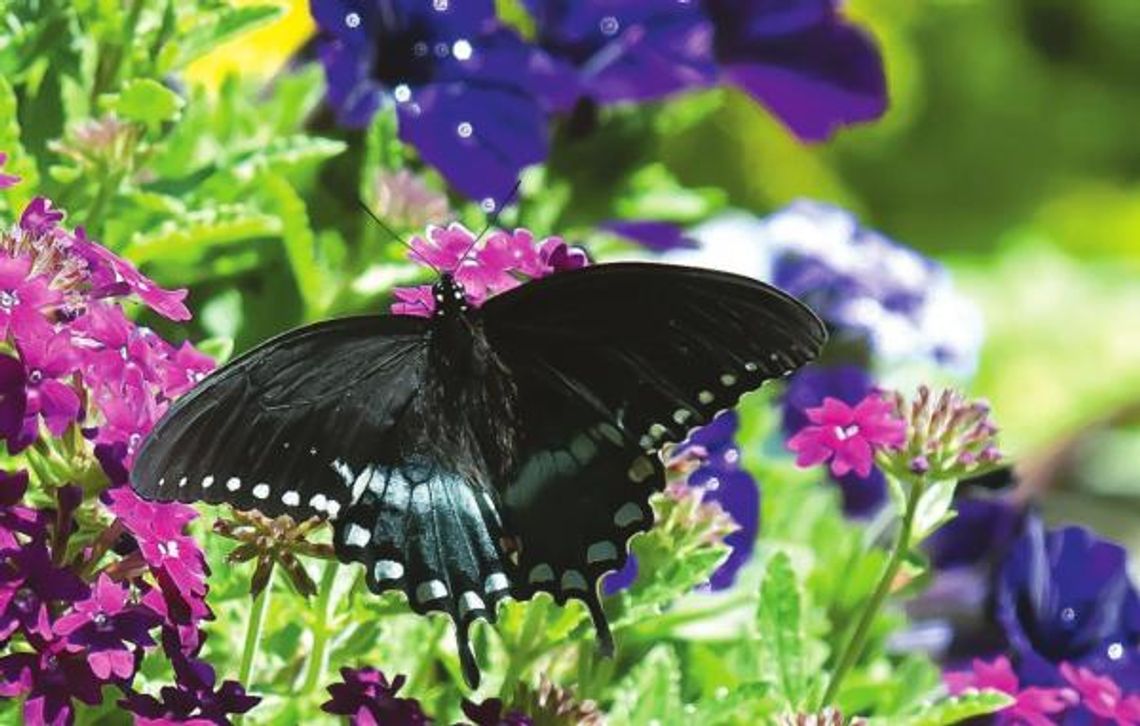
{"points": [[611, 363], [279, 429], [435, 535]]}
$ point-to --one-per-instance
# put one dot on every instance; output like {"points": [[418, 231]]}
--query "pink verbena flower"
{"points": [[24, 298], [105, 627], [1102, 696], [49, 359], [500, 262], [6, 180], [846, 435], [1032, 706]]}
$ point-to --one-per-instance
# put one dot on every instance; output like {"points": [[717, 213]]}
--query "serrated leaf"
{"points": [[313, 282], [651, 691], [957, 709], [284, 153], [751, 700], [779, 619], [187, 237], [146, 101]]}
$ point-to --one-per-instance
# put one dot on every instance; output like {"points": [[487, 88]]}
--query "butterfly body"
{"points": [[482, 452]]}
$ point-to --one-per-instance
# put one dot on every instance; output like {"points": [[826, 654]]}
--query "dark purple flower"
{"points": [[193, 698], [653, 236], [850, 384], [366, 694], [105, 628], [15, 518], [49, 679], [13, 397], [491, 713], [470, 95], [630, 50], [30, 583], [802, 60], [49, 359], [1065, 595]]}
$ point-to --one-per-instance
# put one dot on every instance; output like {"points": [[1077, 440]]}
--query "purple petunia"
{"points": [[469, 94], [104, 627], [366, 697], [1065, 596]]}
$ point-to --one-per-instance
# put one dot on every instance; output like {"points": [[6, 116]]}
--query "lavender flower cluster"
{"points": [[91, 577]]}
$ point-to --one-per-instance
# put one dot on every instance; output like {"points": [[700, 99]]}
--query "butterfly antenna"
{"points": [[392, 233], [492, 220]]}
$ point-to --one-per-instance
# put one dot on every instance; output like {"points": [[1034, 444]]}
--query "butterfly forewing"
{"points": [[613, 362], [287, 428]]}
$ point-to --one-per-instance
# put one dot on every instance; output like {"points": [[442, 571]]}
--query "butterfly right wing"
{"points": [[287, 427]]}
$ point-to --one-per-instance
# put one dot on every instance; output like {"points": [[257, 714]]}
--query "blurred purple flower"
{"points": [[491, 713], [1065, 595], [850, 384], [195, 696], [49, 679], [500, 262], [470, 95], [30, 584], [366, 697], [13, 398], [6, 180], [49, 359], [652, 235], [629, 50], [982, 531], [802, 60], [105, 628]]}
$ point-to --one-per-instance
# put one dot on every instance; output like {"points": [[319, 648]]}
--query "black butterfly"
{"points": [[486, 452]]}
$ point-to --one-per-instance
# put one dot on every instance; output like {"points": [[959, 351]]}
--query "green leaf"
{"points": [[220, 349], [753, 700], [651, 691], [934, 509], [19, 163], [209, 29], [187, 237], [313, 281], [284, 154], [147, 102], [779, 618], [957, 709]]}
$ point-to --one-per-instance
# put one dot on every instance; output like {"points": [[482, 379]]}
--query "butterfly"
{"points": [[506, 449]]}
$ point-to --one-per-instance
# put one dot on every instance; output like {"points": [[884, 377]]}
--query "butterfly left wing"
{"points": [[612, 362]]}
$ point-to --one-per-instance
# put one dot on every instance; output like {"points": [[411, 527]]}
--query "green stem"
{"points": [[253, 632], [321, 631], [853, 650]]}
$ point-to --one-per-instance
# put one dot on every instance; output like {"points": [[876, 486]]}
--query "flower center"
{"points": [[9, 299], [843, 434], [102, 622], [24, 599], [406, 53], [35, 376], [168, 549]]}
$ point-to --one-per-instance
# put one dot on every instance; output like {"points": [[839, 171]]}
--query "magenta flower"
{"points": [[848, 436], [23, 298], [502, 261], [49, 679], [105, 627], [129, 412], [49, 358], [1102, 696], [113, 347], [39, 217], [111, 273], [6, 180], [30, 583], [367, 697], [1032, 706], [180, 369]]}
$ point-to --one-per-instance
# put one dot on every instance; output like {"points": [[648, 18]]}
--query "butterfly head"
{"points": [[450, 297]]}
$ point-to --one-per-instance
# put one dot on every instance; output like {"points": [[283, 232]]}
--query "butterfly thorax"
{"points": [[469, 400]]}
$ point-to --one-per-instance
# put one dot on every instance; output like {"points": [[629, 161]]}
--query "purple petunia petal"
{"points": [[652, 235]]}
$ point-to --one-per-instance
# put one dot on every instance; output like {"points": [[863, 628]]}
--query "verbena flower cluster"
{"points": [[91, 577], [475, 98]]}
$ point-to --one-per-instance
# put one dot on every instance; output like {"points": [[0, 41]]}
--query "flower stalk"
{"points": [[321, 631], [253, 630]]}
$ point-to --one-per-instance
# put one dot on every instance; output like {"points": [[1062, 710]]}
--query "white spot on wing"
{"points": [[681, 415], [601, 552], [583, 447], [611, 433], [261, 491], [332, 508], [573, 580], [182, 482], [233, 484], [431, 590], [640, 470], [628, 514], [291, 498], [728, 380], [208, 482], [356, 536], [496, 581], [541, 573], [388, 570], [318, 502], [750, 367], [706, 397], [469, 601]]}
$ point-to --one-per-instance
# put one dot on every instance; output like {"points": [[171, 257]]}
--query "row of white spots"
{"points": [[262, 490]]}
